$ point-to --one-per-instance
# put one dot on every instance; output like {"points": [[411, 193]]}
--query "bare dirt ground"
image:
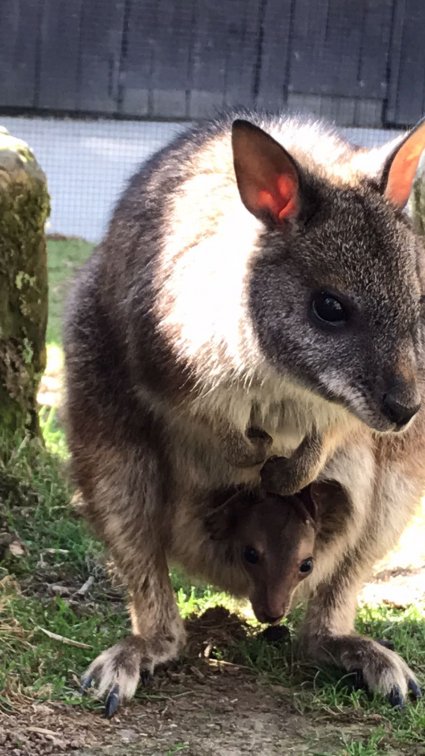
{"points": [[225, 713]]}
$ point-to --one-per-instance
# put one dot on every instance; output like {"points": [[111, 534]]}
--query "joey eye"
{"points": [[306, 566], [327, 310], [251, 555]]}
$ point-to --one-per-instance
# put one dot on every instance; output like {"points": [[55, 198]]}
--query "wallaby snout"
{"points": [[401, 401], [398, 413]]}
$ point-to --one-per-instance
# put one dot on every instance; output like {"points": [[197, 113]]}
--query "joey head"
{"points": [[271, 538]]}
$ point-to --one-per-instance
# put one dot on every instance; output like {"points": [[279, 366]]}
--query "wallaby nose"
{"points": [[396, 412]]}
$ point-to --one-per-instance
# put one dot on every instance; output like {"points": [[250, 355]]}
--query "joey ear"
{"points": [[221, 521], [328, 494], [220, 524], [401, 165], [267, 176], [309, 502]]}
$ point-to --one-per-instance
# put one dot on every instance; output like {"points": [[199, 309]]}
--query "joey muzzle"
{"points": [[268, 616], [270, 607]]}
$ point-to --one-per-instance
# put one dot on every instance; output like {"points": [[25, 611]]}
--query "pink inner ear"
{"points": [[288, 191], [401, 179], [283, 202], [402, 170]]}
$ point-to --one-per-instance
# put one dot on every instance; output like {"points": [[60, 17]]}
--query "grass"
{"points": [[64, 259], [59, 551]]}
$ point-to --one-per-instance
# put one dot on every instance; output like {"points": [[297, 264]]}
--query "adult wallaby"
{"points": [[258, 294]]}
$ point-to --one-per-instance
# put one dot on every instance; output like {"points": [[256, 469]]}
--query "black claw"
{"points": [[146, 678], [112, 702], [414, 689], [396, 698], [386, 643], [86, 682]]}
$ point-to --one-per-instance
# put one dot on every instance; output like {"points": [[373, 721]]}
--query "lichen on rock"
{"points": [[24, 207]]}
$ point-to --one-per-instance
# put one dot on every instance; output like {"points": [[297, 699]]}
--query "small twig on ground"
{"points": [[221, 663], [44, 731], [62, 639], [41, 561], [55, 551], [85, 587], [59, 590]]}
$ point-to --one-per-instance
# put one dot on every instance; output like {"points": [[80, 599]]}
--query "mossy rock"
{"points": [[24, 207]]}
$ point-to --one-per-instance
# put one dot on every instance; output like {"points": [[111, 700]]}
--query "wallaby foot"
{"points": [[116, 672], [328, 637], [382, 670]]}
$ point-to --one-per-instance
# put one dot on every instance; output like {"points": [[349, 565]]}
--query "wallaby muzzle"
{"points": [[401, 402]]}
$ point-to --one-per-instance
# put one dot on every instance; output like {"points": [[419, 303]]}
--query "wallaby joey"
{"points": [[254, 316], [270, 539]]}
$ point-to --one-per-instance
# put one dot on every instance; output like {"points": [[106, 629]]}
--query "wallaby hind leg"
{"points": [[124, 503], [329, 638], [158, 637]]}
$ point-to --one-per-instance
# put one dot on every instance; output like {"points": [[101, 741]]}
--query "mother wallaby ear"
{"points": [[401, 165], [269, 181]]}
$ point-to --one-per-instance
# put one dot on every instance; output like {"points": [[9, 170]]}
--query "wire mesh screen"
{"points": [[95, 86]]}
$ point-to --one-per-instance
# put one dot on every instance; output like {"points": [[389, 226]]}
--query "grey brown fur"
{"points": [[191, 324]]}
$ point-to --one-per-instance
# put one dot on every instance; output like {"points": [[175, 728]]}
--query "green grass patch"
{"points": [[369, 746], [63, 260], [334, 695], [43, 668], [35, 497]]}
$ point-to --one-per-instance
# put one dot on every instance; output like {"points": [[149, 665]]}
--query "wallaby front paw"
{"points": [[116, 672], [279, 476], [382, 670], [249, 450], [261, 444], [260, 437]]}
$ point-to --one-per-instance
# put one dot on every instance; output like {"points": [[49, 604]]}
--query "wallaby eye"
{"points": [[328, 310], [306, 566], [251, 555]]}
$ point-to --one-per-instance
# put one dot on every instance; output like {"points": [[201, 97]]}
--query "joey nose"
{"points": [[270, 620], [269, 615], [398, 412]]}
